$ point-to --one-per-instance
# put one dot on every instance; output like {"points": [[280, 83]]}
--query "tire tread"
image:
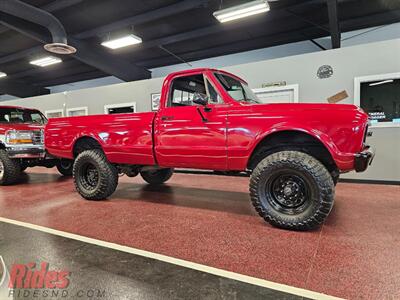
{"points": [[313, 167], [108, 175], [12, 169]]}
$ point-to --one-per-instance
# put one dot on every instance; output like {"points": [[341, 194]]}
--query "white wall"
{"points": [[347, 62]]}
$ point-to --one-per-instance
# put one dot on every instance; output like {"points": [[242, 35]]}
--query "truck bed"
{"points": [[125, 138]]}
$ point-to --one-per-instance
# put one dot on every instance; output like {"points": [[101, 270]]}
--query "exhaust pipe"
{"points": [[35, 15]]}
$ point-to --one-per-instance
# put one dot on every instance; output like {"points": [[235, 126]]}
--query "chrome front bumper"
{"points": [[363, 159]]}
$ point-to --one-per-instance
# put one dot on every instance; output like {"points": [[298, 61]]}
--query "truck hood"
{"points": [[306, 106]]}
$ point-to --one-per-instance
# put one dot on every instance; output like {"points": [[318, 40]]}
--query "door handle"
{"points": [[166, 118]]}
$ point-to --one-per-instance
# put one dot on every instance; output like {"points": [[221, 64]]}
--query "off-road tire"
{"points": [[157, 177], [65, 167], [317, 182], [11, 169], [107, 175]]}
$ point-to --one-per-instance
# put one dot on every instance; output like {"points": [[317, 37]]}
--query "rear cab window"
{"points": [[184, 88]]}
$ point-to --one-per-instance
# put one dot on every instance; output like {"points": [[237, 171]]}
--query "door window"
{"points": [[184, 88]]}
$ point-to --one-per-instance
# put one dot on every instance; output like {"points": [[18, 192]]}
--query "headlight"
{"points": [[19, 137]]}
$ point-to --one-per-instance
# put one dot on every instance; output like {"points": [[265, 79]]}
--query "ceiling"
{"points": [[172, 32]]}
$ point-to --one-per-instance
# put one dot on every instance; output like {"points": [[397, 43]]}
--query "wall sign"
{"points": [[277, 83], [338, 97], [324, 71], [155, 101]]}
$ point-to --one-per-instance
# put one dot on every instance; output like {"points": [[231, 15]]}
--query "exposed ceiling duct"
{"points": [[38, 16]]}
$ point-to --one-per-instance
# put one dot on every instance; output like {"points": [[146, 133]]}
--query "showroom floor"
{"points": [[208, 220]]}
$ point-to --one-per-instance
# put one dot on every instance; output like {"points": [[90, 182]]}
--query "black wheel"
{"points": [[65, 167], [292, 190], [157, 177], [10, 169], [94, 176]]}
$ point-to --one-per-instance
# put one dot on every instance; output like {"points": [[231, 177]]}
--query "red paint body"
{"points": [[225, 142]]}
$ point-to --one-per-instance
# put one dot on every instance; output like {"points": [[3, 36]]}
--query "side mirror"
{"points": [[200, 99]]}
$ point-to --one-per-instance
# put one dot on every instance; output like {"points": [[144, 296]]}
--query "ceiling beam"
{"points": [[334, 26], [51, 7], [318, 44], [239, 46], [73, 78], [60, 5], [21, 89], [23, 53], [146, 17], [93, 55]]}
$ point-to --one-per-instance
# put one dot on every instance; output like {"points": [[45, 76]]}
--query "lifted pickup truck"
{"points": [[211, 119], [22, 144]]}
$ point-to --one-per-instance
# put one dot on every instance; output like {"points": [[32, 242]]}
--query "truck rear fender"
{"points": [[84, 142], [312, 142]]}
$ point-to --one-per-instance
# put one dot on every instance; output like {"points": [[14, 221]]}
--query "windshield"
{"points": [[17, 115], [236, 89]]}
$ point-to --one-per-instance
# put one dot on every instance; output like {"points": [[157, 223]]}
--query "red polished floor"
{"points": [[209, 220]]}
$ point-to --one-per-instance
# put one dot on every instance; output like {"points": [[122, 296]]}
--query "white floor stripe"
{"points": [[180, 262]]}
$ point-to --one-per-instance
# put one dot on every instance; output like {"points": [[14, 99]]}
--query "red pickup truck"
{"points": [[211, 119], [22, 144]]}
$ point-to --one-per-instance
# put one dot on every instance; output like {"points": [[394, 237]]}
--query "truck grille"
{"points": [[38, 137]]}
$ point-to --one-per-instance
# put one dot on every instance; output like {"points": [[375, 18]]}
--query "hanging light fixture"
{"points": [[242, 11]]}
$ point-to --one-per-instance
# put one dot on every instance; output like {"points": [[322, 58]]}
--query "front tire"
{"points": [[65, 167], [157, 177], [292, 190], [10, 169], [95, 177]]}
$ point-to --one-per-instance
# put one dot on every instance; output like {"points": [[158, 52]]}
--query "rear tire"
{"points": [[95, 177], [157, 177], [65, 167], [292, 190], [10, 169]]}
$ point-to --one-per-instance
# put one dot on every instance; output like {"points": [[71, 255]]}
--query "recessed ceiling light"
{"points": [[2, 74], [122, 42], [242, 11], [46, 61]]}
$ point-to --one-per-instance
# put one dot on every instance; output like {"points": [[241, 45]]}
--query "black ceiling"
{"points": [[172, 31]]}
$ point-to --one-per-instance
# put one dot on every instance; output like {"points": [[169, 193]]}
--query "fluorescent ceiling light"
{"points": [[381, 82], [241, 11], [2, 74], [122, 42], [46, 61]]}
